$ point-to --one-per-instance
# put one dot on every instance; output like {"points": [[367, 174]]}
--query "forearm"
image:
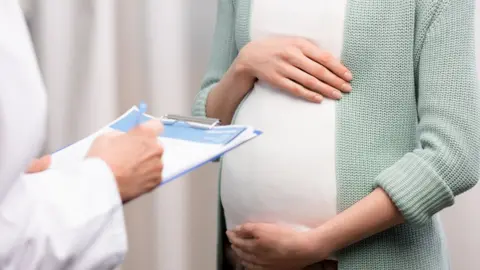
{"points": [[227, 94], [371, 215]]}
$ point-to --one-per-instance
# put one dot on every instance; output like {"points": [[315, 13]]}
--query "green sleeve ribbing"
{"points": [[223, 53], [447, 161]]}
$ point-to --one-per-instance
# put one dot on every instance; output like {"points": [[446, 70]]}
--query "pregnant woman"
{"points": [[350, 169]]}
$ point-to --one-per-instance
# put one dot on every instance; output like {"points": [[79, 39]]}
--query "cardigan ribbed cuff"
{"points": [[415, 188], [200, 106]]}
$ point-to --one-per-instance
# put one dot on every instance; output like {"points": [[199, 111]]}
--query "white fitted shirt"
{"points": [[287, 175]]}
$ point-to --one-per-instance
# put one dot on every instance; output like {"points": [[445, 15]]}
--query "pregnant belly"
{"points": [[287, 175]]}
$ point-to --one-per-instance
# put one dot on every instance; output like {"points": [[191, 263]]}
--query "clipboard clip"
{"points": [[195, 122]]}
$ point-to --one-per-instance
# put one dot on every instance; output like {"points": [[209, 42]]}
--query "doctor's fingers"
{"points": [[152, 171], [152, 148], [39, 165], [152, 128]]}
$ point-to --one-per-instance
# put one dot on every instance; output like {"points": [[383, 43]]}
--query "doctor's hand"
{"points": [[295, 65], [135, 158], [39, 165]]}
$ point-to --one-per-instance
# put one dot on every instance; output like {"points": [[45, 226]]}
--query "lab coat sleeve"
{"points": [[64, 219]]}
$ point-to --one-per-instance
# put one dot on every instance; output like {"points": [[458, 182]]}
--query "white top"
{"points": [[287, 175], [58, 219]]}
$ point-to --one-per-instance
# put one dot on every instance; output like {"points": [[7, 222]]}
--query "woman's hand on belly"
{"points": [[297, 66], [274, 247]]}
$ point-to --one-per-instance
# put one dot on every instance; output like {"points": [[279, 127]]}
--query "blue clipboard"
{"points": [[192, 129]]}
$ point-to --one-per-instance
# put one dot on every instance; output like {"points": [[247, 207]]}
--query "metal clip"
{"points": [[196, 122]]}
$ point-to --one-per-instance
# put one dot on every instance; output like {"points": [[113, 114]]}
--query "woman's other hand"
{"points": [[135, 158], [274, 247], [297, 66]]}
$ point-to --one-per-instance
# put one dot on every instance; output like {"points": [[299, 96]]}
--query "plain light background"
{"points": [[100, 57]]}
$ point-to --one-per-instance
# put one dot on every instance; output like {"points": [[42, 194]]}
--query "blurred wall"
{"points": [[462, 221], [178, 37], [101, 57]]}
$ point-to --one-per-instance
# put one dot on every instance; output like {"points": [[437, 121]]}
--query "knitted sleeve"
{"points": [[447, 161], [223, 53]]}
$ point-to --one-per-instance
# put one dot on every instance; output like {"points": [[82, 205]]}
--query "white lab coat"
{"points": [[57, 219]]}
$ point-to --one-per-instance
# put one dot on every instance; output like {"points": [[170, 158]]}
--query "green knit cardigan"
{"points": [[410, 125]]}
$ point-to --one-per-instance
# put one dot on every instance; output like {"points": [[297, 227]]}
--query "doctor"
{"points": [[61, 219]]}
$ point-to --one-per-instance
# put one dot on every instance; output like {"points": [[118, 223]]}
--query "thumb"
{"points": [[152, 128], [39, 165]]}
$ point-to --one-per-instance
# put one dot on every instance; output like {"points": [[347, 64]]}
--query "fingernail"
{"points": [[156, 125], [337, 94], [348, 76], [318, 98], [347, 87]]}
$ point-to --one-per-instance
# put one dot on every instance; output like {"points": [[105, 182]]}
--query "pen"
{"points": [[142, 108]]}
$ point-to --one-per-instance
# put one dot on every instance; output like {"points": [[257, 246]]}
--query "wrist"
{"points": [[321, 244], [242, 72], [241, 77], [242, 62], [241, 69]]}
